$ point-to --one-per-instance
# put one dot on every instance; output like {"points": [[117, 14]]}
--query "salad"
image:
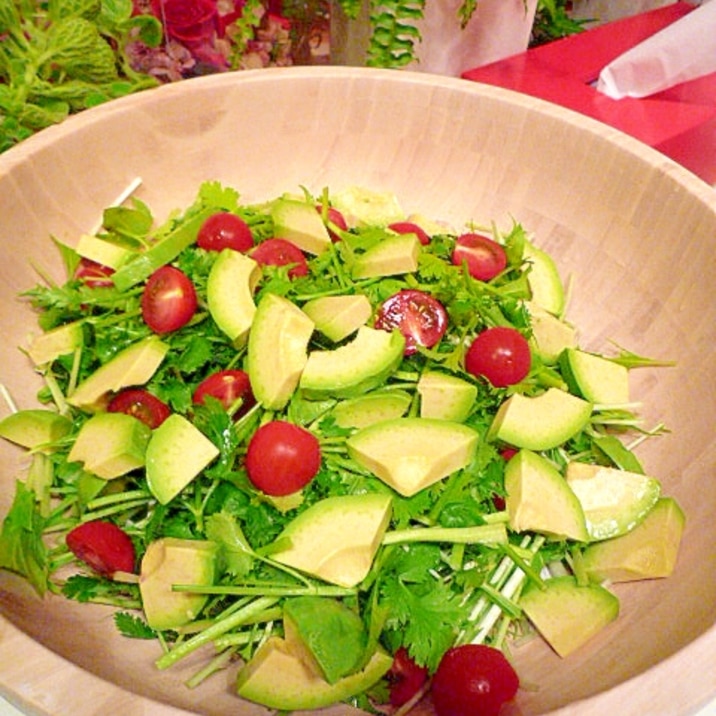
{"points": [[321, 438]]}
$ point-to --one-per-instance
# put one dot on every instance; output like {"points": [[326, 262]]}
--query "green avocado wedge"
{"points": [[540, 500], [313, 626], [277, 350], [649, 551], [568, 615], [356, 367], [230, 293], [34, 427], [170, 561], [111, 444], [134, 365], [277, 678], [177, 452], [594, 377], [614, 501], [541, 422], [371, 408], [337, 538], [410, 454]]}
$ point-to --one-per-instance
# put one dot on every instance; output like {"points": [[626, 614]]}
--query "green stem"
{"points": [[218, 629], [114, 509], [242, 590], [128, 496], [480, 534], [219, 662]]}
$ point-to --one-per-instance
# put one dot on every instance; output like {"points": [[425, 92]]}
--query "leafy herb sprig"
{"points": [[64, 56]]}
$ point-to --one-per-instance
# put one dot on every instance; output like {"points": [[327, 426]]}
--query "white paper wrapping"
{"points": [[680, 52], [497, 29]]}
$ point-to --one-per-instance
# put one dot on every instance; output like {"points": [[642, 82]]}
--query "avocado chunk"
{"points": [[371, 408], [111, 444], [103, 252], [430, 226], [162, 252], [445, 397], [328, 635], [46, 347], [566, 614], [337, 538], [594, 377], [540, 500], [614, 501], [649, 551], [367, 207], [336, 317], [230, 293], [544, 281], [410, 454], [393, 256], [540, 422], [177, 452], [34, 427], [360, 365], [550, 335], [277, 350], [299, 688], [169, 561], [134, 365], [299, 222]]}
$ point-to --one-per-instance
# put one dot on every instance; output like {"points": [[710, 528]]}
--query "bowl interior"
{"points": [[636, 234]]}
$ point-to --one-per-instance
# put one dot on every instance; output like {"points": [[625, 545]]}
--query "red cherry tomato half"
{"points": [[93, 274], [279, 252], [140, 404], [473, 679], [103, 546], [227, 386], [333, 216], [500, 354], [169, 300], [408, 227], [225, 230], [484, 257], [282, 458], [405, 677], [421, 318]]}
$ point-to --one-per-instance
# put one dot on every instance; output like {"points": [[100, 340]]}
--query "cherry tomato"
{"points": [[408, 227], [169, 300], [508, 453], [421, 318], [405, 677], [500, 354], [279, 252], [103, 546], [484, 257], [140, 404], [282, 458], [93, 274], [225, 230], [227, 386], [334, 217], [473, 680]]}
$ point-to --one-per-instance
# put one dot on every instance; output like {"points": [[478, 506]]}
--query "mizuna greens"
{"points": [[450, 568]]}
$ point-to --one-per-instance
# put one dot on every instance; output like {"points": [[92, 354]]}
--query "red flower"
{"points": [[225, 21], [188, 21]]}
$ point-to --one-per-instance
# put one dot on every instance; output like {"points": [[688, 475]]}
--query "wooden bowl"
{"points": [[636, 233]]}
